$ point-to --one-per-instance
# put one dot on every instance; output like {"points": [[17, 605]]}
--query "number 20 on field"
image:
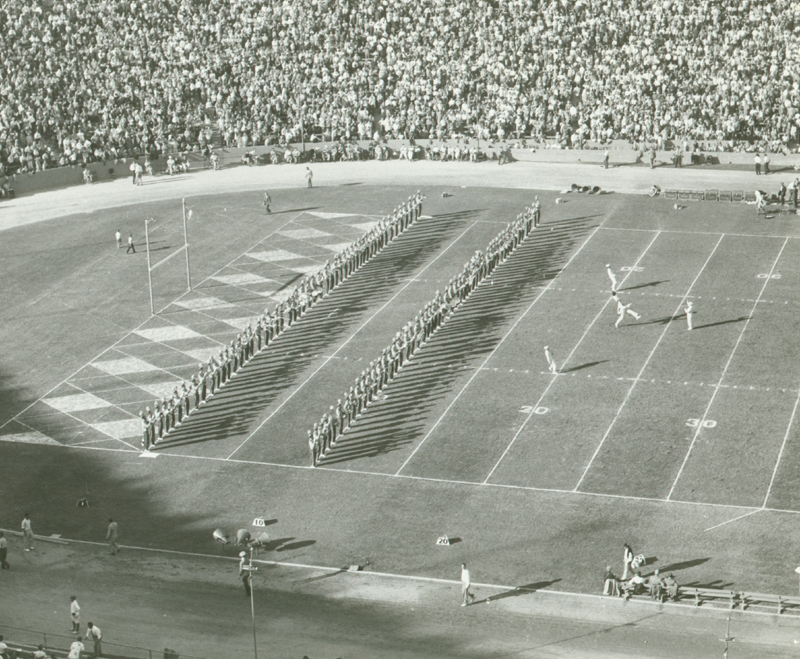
{"points": [[695, 423]]}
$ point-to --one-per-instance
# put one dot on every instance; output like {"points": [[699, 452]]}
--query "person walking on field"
{"points": [[75, 614], [27, 532], [131, 246], [627, 559], [267, 201], [111, 536], [309, 176], [118, 236], [551, 363], [689, 313], [612, 277], [93, 632], [465, 585]]}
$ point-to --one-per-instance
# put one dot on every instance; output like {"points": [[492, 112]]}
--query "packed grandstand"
{"points": [[84, 80]]}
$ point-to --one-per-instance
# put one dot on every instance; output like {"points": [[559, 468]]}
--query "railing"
{"points": [[28, 640]]}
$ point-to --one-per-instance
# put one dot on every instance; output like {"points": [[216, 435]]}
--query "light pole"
{"points": [[250, 569]]}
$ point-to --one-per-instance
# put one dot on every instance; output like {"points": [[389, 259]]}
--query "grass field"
{"points": [[648, 434]]}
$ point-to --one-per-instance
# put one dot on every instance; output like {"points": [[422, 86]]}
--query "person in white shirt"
{"points": [[40, 653], [118, 236], [623, 309], [465, 584], [75, 650], [27, 532], [94, 633], [551, 363], [612, 277], [75, 614], [689, 313]]}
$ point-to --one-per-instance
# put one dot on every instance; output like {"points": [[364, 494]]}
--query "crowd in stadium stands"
{"points": [[84, 80], [169, 413], [322, 437]]}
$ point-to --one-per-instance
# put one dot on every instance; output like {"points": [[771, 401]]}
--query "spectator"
{"points": [[610, 583], [93, 632], [671, 587], [654, 585]]}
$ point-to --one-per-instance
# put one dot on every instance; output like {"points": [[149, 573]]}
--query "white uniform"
{"points": [[551, 363], [689, 313], [612, 277], [622, 309]]}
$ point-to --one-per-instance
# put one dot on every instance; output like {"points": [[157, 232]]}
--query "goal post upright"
{"points": [[186, 245], [149, 267]]}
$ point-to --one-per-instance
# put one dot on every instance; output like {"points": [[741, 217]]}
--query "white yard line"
{"points": [[569, 356], [724, 371], [491, 354], [780, 453], [644, 366], [716, 526], [350, 338]]}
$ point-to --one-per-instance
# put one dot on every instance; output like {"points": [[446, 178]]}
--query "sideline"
{"points": [[637, 180]]}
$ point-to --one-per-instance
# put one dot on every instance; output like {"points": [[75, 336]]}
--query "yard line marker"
{"points": [[725, 370], [569, 356], [142, 324], [644, 366], [350, 338], [491, 354], [716, 526], [780, 453]]}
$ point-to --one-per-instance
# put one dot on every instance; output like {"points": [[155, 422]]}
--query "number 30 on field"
{"points": [[695, 423]]}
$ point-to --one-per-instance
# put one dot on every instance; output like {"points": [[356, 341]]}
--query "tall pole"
{"points": [[252, 605], [186, 246], [149, 270]]}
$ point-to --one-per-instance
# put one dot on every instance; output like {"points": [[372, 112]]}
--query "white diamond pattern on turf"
{"points": [[200, 303], [337, 247], [169, 333], [274, 255], [241, 279], [124, 366], [76, 403], [120, 429], [29, 438], [304, 234], [161, 389]]}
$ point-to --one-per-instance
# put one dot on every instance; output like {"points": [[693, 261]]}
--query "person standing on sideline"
{"points": [[757, 161], [27, 532], [465, 584], [93, 631], [551, 363], [75, 649], [131, 246], [613, 278], [689, 313], [118, 236], [605, 159], [267, 201], [765, 162], [75, 614], [623, 309], [652, 157], [309, 176], [3, 552], [111, 536], [244, 574], [627, 559], [782, 194]]}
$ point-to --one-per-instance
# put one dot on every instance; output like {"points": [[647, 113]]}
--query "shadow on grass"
{"points": [[233, 409], [582, 366], [470, 333], [647, 285], [520, 590], [683, 565], [723, 322]]}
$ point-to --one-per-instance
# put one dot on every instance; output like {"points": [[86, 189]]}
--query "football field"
{"points": [[683, 443]]}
